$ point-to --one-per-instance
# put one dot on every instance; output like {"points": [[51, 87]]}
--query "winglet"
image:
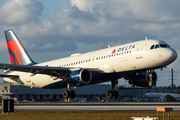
{"points": [[17, 53]]}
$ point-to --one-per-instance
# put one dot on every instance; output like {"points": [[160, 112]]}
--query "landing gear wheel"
{"points": [[66, 94], [112, 94], [72, 94], [109, 94], [115, 94], [150, 83]]}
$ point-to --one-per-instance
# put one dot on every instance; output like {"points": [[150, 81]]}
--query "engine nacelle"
{"points": [[143, 79], [79, 77]]}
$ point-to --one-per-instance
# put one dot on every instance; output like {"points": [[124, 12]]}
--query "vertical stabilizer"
{"points": [[17, 53]]}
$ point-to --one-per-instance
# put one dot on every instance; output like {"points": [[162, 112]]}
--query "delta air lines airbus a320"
{"points": [[134, 62]]}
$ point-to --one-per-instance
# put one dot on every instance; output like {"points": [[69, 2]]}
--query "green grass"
{"points": [[80, 116]]}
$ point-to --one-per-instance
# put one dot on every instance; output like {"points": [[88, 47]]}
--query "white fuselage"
{"points": [[128, 57]]}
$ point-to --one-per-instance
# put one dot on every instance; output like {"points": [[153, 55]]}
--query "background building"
{"points": [[90, 93]]}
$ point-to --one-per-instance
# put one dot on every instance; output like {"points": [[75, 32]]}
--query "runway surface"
{"points": [[96, 107]]}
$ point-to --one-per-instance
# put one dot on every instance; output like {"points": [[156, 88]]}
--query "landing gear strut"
{"points": [[112, 93], [69, 93], [151, 82]]}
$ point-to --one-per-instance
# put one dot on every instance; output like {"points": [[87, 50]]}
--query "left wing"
{"points": [[54, 71]]}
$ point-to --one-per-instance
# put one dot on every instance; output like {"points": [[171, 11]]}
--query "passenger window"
{"points": [[157, 46], [152, 47]]}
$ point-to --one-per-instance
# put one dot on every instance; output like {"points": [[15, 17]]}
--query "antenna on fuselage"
{"points": [[146, 38], [109, 46]]}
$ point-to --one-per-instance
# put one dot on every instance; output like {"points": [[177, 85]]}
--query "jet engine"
{"points": [[143, 79], [79, 77]]}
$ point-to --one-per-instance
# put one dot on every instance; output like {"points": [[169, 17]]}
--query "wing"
{"points": [[52, 71]]}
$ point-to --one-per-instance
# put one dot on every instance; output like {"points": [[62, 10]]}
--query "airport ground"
{"points": [[90, 111], [50, 115], [97, 107]]}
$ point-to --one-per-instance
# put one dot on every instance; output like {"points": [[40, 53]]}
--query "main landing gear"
{"points": [[69, 93], [112, 93]]}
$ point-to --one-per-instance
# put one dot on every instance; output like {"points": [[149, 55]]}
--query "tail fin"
{"points": [[17, 53]]}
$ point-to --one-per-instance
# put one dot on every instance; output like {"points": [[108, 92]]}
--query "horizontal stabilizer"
{"points": [[14, 78]]}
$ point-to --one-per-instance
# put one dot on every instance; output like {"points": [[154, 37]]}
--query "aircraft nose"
{"points": [[171, 54]]}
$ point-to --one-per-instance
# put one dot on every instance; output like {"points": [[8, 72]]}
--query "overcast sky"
{"points": [[51, 29]]}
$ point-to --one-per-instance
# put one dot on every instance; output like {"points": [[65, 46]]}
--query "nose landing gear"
{"points": [[152, 75]]}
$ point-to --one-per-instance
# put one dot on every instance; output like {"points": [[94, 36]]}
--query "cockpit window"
{"points": [[152, 47], [157, 46], [163, 45]]}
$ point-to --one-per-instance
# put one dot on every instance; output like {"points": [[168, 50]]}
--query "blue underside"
{"points": [[99, 78]]}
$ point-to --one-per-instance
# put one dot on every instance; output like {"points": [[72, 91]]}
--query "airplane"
{"points": [[134, 62]]}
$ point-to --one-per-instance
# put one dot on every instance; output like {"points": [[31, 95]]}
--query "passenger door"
{"points": [[138, 51]]}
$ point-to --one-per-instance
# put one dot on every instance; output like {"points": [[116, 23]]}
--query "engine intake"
{"points": [[85, 76], [79, 77]]}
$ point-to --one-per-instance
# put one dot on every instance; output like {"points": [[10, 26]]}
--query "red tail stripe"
{"points": [[19, 56], [14, 47]]}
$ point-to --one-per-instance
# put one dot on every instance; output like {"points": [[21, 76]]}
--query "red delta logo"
{"points": [[15, 53], [113, 51]]}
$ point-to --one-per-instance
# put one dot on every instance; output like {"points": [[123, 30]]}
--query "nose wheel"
{"points": [[151, 82]]}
